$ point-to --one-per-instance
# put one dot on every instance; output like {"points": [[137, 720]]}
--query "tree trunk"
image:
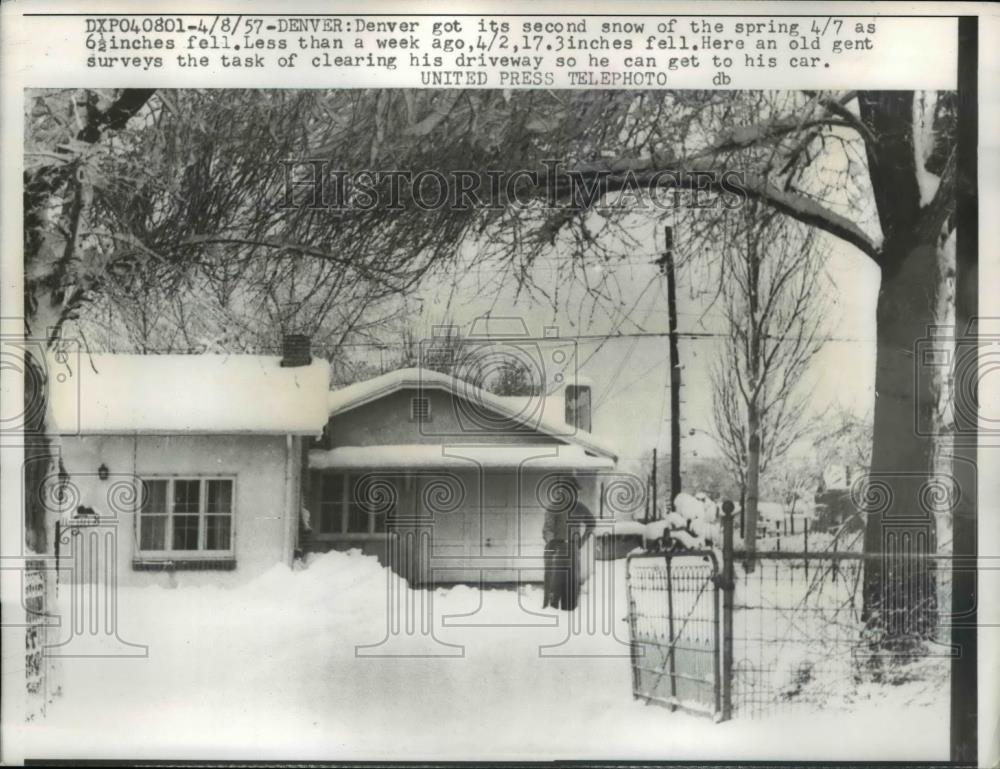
{"points": [[37, 454], [899, 530], [753, 483], [755, 361]]}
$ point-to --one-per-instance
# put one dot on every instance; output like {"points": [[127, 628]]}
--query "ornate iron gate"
{"points": [[673, 601]]}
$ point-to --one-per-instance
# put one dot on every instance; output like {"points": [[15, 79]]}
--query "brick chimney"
{"points": [[295, 350]]}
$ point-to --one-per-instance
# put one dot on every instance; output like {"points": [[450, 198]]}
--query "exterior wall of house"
{"points": [[446, 525], [469, 525], [266, 473], [387, 421]]}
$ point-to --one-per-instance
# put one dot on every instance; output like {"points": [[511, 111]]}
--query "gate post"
{"points": [[728, 587], [670, 634]]}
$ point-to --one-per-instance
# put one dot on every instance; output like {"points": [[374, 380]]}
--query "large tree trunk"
{"points": [[37, 454], [900, 528], [899, 531], [754, 258]]}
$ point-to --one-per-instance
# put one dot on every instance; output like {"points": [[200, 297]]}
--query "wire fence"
{"points": [[798, 630], [784, 629]]}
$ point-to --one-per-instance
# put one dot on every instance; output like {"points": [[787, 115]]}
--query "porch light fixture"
{"points": [[102, 472]]}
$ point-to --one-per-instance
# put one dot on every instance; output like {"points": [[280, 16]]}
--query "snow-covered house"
{"points": [[444, 481], [185, 463]]}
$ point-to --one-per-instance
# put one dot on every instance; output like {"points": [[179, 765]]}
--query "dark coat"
{"points": [[562, 523], [564, 532]]}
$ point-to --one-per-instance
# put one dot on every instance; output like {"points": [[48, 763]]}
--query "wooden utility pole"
{"points": [[675, 367], [655, 487]]}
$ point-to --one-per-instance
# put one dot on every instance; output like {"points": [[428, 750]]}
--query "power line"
{"points": [[688, 335]]}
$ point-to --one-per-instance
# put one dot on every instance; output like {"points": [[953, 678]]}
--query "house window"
{"points": [[420, 409], [341, 511], [186, 515]]}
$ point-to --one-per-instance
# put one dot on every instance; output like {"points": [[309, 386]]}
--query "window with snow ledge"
{"points": [[343, 512], [199, 564], [184, 521], [420, 409]]}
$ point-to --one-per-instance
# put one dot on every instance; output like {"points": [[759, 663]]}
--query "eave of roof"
{"points": [[416, 456]]}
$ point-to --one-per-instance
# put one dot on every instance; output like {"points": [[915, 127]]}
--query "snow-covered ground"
{"points": [[273, 670]]}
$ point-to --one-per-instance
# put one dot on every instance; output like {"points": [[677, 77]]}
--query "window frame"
{"points": [[348, 479], [169, 553]]}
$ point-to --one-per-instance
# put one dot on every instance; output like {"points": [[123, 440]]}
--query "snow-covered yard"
{"points": [[270, 670]]}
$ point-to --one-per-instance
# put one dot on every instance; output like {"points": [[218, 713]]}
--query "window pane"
{"points": [[217, 532], [185, 532], [186, 496], [219, 497], [152, 532], [154, 497], [357, 519], [333, 488], [329, 518]]}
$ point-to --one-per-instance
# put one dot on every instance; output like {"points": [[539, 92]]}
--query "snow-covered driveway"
{"points": [[270, 670]]}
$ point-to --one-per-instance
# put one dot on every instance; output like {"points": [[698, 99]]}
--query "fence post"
{"points": [[728, 587], [670, 630]]}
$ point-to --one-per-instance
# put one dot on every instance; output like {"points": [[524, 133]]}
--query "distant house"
{"points": [[186, 462], [444, 481]]}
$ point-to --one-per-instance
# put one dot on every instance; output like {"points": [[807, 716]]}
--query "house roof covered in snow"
{"points": [[518, 410], [415, 456], [168, 394]]}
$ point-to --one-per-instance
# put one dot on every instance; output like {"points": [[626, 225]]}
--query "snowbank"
{"points": [[770, 511], [277, 669]]}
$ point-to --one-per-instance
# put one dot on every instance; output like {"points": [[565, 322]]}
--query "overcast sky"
{"points": [[630, 375]]}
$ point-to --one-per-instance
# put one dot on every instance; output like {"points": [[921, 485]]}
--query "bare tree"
{"points": [[513, 377], [773, 301], [846, 438], [61, 160]]}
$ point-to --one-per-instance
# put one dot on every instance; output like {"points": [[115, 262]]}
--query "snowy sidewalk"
{"points": [[270, 670]]}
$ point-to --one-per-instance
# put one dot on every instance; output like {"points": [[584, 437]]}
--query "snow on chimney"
{"points": [[295, 350]]}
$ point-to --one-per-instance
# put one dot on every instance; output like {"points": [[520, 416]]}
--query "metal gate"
{"points": [[673, 601]]}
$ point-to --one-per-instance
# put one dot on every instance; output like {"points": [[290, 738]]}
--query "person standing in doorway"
{"points": [[568, 524]]}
